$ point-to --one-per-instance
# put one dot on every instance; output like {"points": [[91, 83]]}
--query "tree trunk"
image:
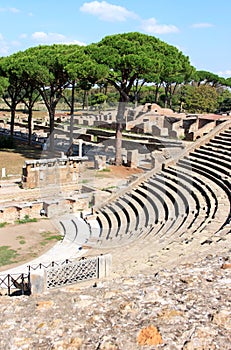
{"points": [[118, 156], [170, 101], [84, 98], [87, 106], [52, 128], [156, 98], [72, 110], [12, 110], [29, 125], [166, 96], [120, 121], [136, 100]]}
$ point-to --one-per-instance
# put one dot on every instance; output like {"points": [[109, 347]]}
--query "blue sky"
{"points": [[201, 29]]}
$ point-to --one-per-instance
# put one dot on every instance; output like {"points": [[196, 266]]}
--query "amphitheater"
{"points": [[168, 234], [185, 202], [188, 200]]}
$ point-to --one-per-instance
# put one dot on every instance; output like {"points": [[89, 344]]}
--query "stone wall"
{"points": [[200, 128], [56, 171], [49, 208]]}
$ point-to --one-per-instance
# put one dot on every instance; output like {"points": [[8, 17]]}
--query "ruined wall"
{"points": [[56, 171], [50, 208]]}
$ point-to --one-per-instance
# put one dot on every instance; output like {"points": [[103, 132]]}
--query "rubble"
{"points": [[182, 307]]}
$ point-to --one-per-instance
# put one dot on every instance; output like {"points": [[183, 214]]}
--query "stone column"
{"points": [[133, 158], [80, 147], [105, 262], [38, 282]]}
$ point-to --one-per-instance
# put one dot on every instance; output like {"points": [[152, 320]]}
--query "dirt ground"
{"points": [[28, 240]]}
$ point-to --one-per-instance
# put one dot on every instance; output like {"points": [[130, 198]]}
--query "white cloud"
{"points": [[107, 12], [226, 73], [48, 37], [9, 9], [76, 42], [202, 25], [52, 38], [14, 10], [151, 26]]}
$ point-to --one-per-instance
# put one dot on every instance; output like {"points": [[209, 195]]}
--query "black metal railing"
{"points": [[46, 266], [20, 283]]}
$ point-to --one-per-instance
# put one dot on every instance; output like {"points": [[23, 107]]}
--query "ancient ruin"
{"points": [[167, 230]]}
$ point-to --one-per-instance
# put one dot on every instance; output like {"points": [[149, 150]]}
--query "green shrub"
{"points": [[6, 142], [48, 236], [26, 220]]}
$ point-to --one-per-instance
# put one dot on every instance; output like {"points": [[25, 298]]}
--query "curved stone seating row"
{"points": [[68, 229], [222, 162], [137, 211], [186, 208], [209, 170], [219, 147], [180, 196], [168, 204], [193, 207], [218, 151], [131, 211], [186, 199], [205, 198], [211, 153], [75, 229], [221, 167], [220, 185], [223, 144], [214, 171], [164, 208]]}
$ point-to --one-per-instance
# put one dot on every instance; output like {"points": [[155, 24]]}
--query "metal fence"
{"points": [[16, 282], [56, 274], [72, 273], [48, 265]]}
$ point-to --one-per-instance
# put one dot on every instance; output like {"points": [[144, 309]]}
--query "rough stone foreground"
{"points": [[183, 307]]}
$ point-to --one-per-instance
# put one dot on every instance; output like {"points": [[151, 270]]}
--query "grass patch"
{"points": [[85, 181], [56, 237], [7, 255], [108, 188], [26, 220], [105, 170], [21, 239], [102, 172], [3, 224], [49, 236]]}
